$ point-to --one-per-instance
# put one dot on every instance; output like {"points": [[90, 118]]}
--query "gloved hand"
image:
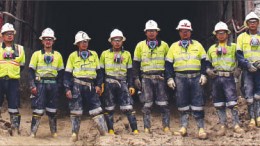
{"points": [[237, 72], [211, 73], [171, 83], [68, 94], [138, 84], [34, 91], [131, 91], [257, 64], [203, 80], [251, 68], [102, 88], [98, 90]]}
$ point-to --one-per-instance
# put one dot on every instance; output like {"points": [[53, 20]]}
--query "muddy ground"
{"points": [[90, 136]]}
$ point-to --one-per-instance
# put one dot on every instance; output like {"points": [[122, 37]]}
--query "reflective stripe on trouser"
{"points": [[10, 88], [83, 95], [251, 85], [113, 91], [224, 91], [46, 98], [189, 94], [153, 90]]}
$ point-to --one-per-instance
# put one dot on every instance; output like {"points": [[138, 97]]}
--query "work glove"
{"points": [[237, 72], [34, 91], [203, 80], [138, 84], [131, 91], [251, 68], [98, 90], [211, 73], [257, 64], [171, 83], [102, 88], [68, 94]]}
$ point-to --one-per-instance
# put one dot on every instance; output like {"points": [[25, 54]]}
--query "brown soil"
{"points": [[89, 135]]}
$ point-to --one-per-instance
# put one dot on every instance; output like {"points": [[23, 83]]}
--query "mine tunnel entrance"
{"points": [[98, 19]]}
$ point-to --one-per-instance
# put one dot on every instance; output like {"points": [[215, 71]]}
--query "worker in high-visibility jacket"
{"points": [[221, 67], [148, 66], [45, 73], [185, 72], [248, 54], [12, 59], [82, 80], [116, 67]]}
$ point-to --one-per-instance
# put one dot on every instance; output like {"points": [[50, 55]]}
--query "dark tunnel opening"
{"points": [[98, 19]]}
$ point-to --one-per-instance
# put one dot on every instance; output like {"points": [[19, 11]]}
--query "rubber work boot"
{"points": [[15, 124], [101, 124], [109, 120], [111, 131], [135, 132], [238, 129], [166, 129], [146, 130], [252, 124], [74, 137], [75, 122], [202, 134], [53, 126], [222, 131], [132, 120], [34, 125], [258, 121], [181, 132]]}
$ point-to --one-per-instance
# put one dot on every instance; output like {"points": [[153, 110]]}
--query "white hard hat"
{"points": [[221, 26], [151, 24], [81, 36], [251, 15], [116, 33], [184, 24], [47, 32], [7, 27]]}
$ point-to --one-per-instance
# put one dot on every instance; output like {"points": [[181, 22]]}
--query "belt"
{"points": [[116, 77], [47, 81], [109, 80], [82, 82], [159, 77], [189, 75], [224, 74]]}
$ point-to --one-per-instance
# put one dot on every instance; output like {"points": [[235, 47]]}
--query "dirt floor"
{"points": [[90, 136]]}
